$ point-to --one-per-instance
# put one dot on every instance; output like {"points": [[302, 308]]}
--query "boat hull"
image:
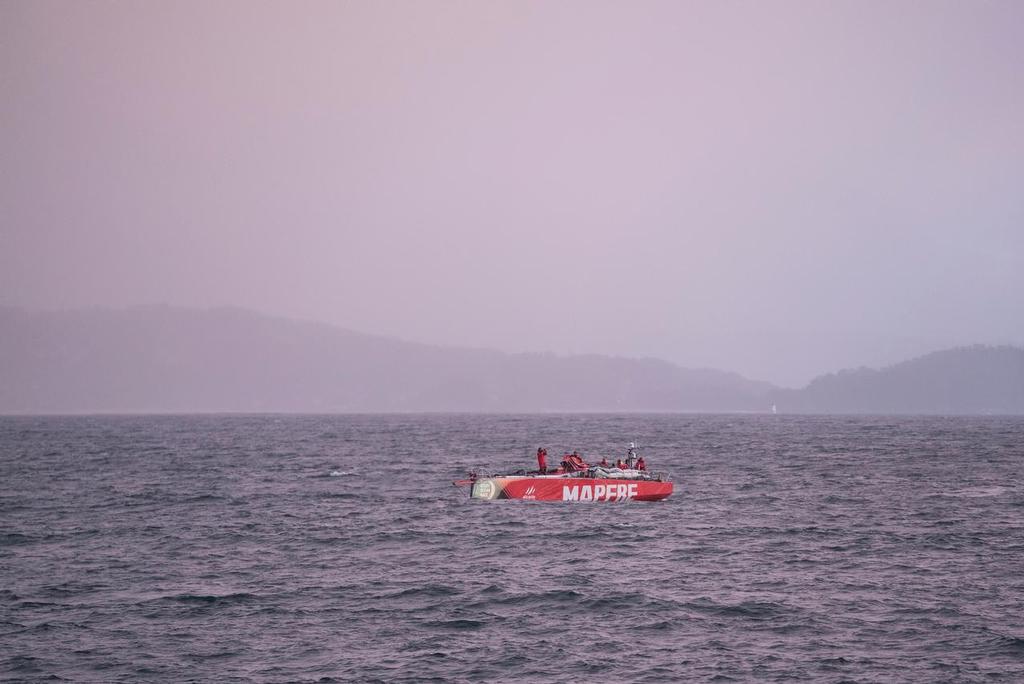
{"points": [[569, 489]]}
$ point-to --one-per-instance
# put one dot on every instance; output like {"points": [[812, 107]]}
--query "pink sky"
{"points": [[780, 189]]}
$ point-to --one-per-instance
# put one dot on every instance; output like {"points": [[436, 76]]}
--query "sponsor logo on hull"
{"points": [[613, 491], [484, 489], [575, 489]]}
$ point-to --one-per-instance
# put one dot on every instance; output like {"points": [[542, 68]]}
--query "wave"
{"points": [[628, 602], [660, 626], [456, 624], [1004, 644], [544, 599], [15, 539], [210, 599], [743, 609], [427, 590], [22, 664], [204, 498], [552, 596], [337, 495], [976, 492]]}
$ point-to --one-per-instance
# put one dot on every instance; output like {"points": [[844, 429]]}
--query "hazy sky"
{"points": [[777, 188]]}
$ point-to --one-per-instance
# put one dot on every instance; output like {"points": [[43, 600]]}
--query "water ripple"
{"points": [[248, 548]]}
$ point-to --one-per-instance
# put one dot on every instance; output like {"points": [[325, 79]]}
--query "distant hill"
{"points": [[965, 380], [166, 359]]}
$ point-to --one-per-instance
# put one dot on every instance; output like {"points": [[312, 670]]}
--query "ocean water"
{"points": [[335, 548]]}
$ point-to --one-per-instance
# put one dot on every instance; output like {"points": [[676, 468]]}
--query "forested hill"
{"points": [[166, 359], [964, 380]]}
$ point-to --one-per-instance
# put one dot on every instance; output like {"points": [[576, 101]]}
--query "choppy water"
{"points": [[214, 548]]}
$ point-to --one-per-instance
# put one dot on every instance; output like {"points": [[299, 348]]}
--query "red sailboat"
{"points": [[575, 480]]}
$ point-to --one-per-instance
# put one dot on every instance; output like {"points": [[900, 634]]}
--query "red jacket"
{"points": [[542, 460]]}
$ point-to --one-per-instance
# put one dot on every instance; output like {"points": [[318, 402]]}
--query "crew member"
{"points": [[620, 465], [542, 460], [604, 462], [640, 465]]}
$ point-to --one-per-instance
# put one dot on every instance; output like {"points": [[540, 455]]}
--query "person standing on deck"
{"points": [[640, 465], [542, 460]]}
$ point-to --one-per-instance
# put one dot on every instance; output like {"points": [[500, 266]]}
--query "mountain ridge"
{"points": [[975, 379], [171, 359], [165, 359]]}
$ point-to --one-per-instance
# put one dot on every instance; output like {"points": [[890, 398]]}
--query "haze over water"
{"points": [[231, 548]]}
